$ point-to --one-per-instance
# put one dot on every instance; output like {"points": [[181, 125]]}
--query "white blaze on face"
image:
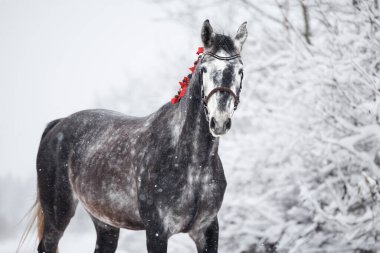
{"points": [[213, 78]]}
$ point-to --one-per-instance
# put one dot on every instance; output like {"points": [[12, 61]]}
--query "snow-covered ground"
{"points": [[79, 240]]}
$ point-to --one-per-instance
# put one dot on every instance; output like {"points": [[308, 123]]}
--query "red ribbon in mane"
{"points": [[186, 80]]}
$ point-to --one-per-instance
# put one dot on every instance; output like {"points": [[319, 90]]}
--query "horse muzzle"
{"points": [[220, 125]]}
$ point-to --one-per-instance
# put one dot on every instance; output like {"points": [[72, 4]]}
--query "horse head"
{"points": [[221, 76]]}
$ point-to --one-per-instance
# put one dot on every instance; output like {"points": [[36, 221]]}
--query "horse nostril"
{"points": [[228, 124], [213, 123]]}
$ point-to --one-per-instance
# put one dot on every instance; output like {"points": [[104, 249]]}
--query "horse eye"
{"points": [[204, 70]]}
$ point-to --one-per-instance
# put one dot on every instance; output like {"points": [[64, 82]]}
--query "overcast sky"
{"points": [[60, 57]]}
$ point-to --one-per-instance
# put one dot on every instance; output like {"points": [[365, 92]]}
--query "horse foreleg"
{"points": [[156, 240], [206, 238], [107, 237]]}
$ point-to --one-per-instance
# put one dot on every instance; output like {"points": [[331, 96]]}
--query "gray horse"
{"points": [[160, 173]]}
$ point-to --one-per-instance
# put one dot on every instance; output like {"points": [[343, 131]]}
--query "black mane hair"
{"points": [[223, 42]]}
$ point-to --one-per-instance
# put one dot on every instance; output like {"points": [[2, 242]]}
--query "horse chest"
{"points": [[196, 202]]}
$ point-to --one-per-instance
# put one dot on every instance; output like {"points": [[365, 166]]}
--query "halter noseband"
{"points": [[222, 89], [205, 99]]}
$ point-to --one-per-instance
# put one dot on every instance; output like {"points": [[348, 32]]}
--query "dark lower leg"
{"points": [[212, 237], [107, 237], [157, 241], [207, 239], [49, 242]]}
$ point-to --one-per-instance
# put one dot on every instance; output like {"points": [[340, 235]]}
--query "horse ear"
{"points": [[241, 35], [207, 34]]}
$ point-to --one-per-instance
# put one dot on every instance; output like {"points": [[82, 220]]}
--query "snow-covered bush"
{"points": [[309, 180]]}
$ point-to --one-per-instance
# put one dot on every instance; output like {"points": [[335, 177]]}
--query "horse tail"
{"points": [[36, 215], [36, 211], [40, 219]]}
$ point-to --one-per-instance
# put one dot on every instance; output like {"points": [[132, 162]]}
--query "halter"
{"points": [[224, 58], [205, 99], [186, 80]]}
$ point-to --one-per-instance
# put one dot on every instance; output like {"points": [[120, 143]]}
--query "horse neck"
{"points": [[195, 129]]}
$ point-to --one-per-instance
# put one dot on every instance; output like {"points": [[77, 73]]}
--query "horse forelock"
{"points": [[224, 43]]}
